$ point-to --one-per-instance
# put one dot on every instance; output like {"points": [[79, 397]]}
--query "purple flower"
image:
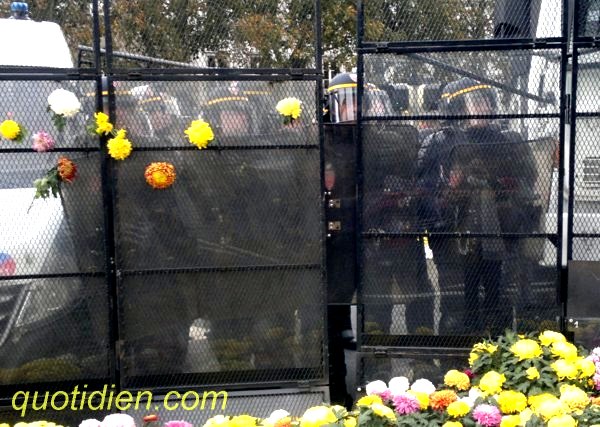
{"points": [[42, 142], [405, 404], [487, 415], [177, 424]]}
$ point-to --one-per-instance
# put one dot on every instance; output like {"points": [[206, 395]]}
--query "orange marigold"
{"points": [[67, 170], [160, 175], [440, 400]]}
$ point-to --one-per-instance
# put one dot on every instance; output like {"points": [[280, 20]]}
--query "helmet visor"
{"points": [[480, 102], [343, 104]]}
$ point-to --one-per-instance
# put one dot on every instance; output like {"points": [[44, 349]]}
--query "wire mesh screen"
{"points": [[432, 20], [462, 145], [243, 220], [233, 34], [524, 82], [586, 223], [588, 18], [54, 310]]}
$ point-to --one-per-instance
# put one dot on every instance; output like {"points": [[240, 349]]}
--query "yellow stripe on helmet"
{"points": [[341, 86], [465, 90], [227, 98]]}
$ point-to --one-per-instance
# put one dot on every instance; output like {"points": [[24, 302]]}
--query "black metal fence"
{"points": [[217, 281], [459, 233], [465, 118]]}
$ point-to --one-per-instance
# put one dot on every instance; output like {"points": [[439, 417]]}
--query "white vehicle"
{"points": [[37, 314]]}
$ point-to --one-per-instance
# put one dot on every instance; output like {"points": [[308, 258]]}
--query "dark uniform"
{"points": [[471, 181]]}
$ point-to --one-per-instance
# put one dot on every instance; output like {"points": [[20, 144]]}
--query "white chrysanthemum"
{"points": [[64, 103], [90, 422], [277, 415], [118, 420], [398, 385], [423, 385], [376, 387]]}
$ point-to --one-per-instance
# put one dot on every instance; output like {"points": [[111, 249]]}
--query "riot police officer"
{"points": [[465, 171]]}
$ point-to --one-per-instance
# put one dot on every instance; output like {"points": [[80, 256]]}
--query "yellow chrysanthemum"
{"points": [[457, 379], [217, 421], [452, 424], [200, 133], [550, 408], [369, 400], [565, 369], [473, 356], [586, 367], [103, 126], [562, 421], [119, 148], [491, 382], [383, 411], [317, 416], [548, 338], [511, 402], [574, 397], [564, 350], [525, 416], [350, 422], [10, 129], [289, 107], [532, 373], [458, 409], [526, 349], [422, 397], [510, 421], [243, 421]]}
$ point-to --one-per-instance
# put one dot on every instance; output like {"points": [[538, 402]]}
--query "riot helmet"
{"points": [[468, 97], [342, 98], [229, 112]]}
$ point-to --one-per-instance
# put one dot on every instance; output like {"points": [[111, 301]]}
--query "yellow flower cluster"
{"points": [[119, 147], [491, 382], [547, 338], [200, 133], [511, 402], [10, 130], [458, 409], [103, 125], [481, 348], [457, 379], [289, 107], [318, 416], [526, 349], [33, 424]]}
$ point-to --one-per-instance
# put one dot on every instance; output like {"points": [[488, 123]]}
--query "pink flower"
{"points": [[469, 373], [42, 142], [386, 396], [487, 415], [405, 404], [178, 424]]}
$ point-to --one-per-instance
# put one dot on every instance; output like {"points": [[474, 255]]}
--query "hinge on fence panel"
{"points": [[118, 354], [568, 109]]}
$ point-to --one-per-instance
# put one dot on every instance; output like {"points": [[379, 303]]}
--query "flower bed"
{"points": [[516, 380]]}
